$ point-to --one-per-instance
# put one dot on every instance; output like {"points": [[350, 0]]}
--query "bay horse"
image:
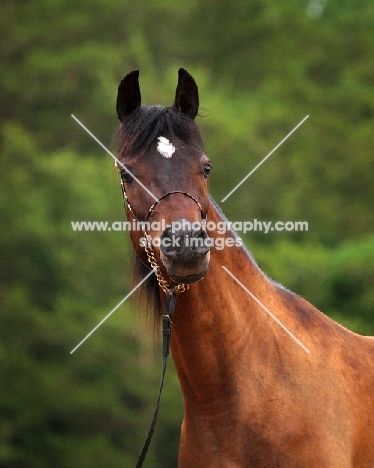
{"points": [[252, 397]]}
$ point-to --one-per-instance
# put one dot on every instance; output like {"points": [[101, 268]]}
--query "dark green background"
{"points": [[261, 67]]}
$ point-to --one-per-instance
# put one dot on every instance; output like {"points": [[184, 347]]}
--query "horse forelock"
{"points": [[142, 127]]}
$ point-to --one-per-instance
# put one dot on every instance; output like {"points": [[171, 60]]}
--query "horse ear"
{"points": [[128, 97], [187, 94]]}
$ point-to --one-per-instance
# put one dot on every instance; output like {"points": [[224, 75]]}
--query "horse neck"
{"points": [[217, 324]]}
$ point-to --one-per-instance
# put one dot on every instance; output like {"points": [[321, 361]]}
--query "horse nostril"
{"points": [[184, 241], [171, 241], [198, 240]]}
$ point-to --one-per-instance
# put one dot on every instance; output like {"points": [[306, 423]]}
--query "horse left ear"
{"points": [[128, 97], [187, 94]]}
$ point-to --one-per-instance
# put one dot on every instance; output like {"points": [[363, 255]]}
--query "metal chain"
{"points": [[179, 288]]}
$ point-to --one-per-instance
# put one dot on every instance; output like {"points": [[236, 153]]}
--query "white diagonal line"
{"points": [[266, 310], [111, 154], [111, 312], [265, 158]]}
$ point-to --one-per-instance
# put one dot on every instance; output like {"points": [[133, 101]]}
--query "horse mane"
{"points": [[141, 128], [146, 298]]}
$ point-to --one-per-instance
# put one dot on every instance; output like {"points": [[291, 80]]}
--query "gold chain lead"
{"points": [[179, 288]]}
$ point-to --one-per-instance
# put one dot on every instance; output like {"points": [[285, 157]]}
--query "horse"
{"points": [[252, 397]]}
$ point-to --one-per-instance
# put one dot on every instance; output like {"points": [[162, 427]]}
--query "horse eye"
{"points": [[207, 170], [126, 177]]}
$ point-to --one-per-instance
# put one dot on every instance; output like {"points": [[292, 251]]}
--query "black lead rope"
{"points": [[166, 335]]}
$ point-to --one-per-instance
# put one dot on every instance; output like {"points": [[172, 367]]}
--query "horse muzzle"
{"points": [[185, 253]]}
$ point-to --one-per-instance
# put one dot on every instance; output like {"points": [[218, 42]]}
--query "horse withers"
{"points": [[252, 396]]}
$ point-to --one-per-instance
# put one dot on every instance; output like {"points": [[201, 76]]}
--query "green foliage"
{"points": [[59, 409], [337, 281], [261, 67]]}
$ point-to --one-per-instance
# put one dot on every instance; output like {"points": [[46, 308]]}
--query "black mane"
{"points": [[141, 128], [147, 297]]}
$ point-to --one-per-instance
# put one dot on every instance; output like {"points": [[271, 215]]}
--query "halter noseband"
{"points": [[168, 290]]}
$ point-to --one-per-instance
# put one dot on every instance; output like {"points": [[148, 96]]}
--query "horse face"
{"points": [[175, 223], [165, 180]]}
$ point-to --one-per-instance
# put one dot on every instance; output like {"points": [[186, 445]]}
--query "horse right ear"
{"points": [[128, 97]]}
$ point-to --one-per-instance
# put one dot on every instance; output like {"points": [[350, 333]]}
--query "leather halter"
{"points": [[147, 244], [151, 209]]}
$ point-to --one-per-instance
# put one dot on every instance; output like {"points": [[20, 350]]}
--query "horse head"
{"points": [[164, 174]]}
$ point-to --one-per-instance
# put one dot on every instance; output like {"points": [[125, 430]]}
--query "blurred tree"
{"points": [[59, 409], [337, 281]]}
